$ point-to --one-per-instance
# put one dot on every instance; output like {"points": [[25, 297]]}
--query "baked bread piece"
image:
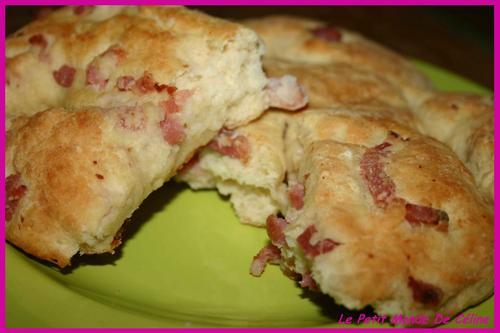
{"points": [[384, 217], [465, 122], [73, 175], [248, 164], [303, 40], [115, 55]]}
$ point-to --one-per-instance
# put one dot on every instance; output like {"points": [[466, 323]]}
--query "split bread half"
{"points": [[131, 93]]}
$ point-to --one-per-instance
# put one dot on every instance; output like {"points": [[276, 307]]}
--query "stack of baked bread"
{"points": [[377, 192]]}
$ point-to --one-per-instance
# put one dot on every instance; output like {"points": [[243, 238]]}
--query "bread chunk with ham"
{"points": [[303, 40], [248, 163], [105, 105], [388, 217]]}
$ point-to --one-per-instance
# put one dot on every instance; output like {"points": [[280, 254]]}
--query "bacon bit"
{"points": [[269, 254], [380, 185], [38, 40], [117, 240], [383, 189], [286, 93], [175, 103], [125, 83], [165, 87], [41, 43], [296, 196], [329, 33], [169, 106], [79, 10], [43, 12], [322, 246], [14, 192], [289, 272], [275, 227], [191, 163], [132, 118], [181, 96], [173, 131], [65, 75], [416, 215], [232, 144], [94, 77], [307, 281], [145, 84], [425, 293]]}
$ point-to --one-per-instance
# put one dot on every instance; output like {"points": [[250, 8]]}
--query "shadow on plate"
{"points": [[334, 311], [154, 203]]}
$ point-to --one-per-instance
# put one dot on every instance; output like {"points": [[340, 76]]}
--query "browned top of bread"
{"points": [[72, 58], [465, 122], [304, 40], [390, 218]]}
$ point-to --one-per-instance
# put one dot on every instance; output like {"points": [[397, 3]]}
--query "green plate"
{"points": [[185, 262]]}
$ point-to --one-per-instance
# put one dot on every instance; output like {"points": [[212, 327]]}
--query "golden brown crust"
{"points": [[157, 40], [465, 123], [382, 258], [82, 183], [138, 90], [294, 39], [338, 84]]}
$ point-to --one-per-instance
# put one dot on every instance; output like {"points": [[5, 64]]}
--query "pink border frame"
{"points": [[237, 2]]}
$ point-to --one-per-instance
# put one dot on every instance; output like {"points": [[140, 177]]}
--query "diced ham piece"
{"points": [[145, 84], [14, 192], [286, 93], [43, 12], [275, 227], [170, 106], [313, 250], [117, 240], [296, 196], [190, 164], [416, 215], [38, 40], [380, 185], [65, 75], [94, 77], [232, 144], [79, 10], [98, 71], [269, 254], [125, 83], [383, 189], [165, 87], [329, 33], [307, 281], [425, 293], [181, 96], [173, 130]]}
